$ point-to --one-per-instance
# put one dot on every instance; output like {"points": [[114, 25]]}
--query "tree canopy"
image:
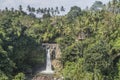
{"points": [[89, 41]]}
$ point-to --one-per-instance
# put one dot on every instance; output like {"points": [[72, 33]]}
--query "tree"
{"points": [[3, 76], [47, 15], [57, 10], [74, 12], [20, 8], [62, 8], [38, 11], [19, 76], [98, 5], [29, 8], [32, 9], [6, 9]]}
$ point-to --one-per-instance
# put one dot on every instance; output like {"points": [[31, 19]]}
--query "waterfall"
{"points": [[48, 64]]}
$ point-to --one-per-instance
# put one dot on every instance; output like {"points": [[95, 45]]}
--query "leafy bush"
{"points": [[19, 76]]}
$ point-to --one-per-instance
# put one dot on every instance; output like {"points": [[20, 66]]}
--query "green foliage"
{"points": [[98, 48], [89, 41], [75, 71], [19, 76], [116, 44], [97, 5], [3, 76], [6, 65], [17, 48], [74, 12], [117, 76]]}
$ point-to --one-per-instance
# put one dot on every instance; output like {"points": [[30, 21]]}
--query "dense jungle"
{"points": [[89, 40]]}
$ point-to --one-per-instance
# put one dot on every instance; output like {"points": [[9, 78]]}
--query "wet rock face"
{"points": [[56, 54], [56, 64]]}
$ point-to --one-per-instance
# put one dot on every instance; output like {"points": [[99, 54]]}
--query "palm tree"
{"points": [[20, 8], [49, 9], [45, 10], [62, 8], [38, 11], [12, 9], [57, 10], [114, 2], [32, 9], [41, 10], [52, 11], [6, 9], [29, 8]]}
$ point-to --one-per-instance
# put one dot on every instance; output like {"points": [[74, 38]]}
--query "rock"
{"points": [[43, 77], [56, 64]]}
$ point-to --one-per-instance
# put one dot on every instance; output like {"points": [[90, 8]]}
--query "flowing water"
{"points": [[48, 64]]}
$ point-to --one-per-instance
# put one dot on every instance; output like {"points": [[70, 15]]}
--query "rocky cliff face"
{"points": [[56, 55]]}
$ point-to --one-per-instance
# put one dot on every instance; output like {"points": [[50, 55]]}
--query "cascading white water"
{"points": [[48, 64]]}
